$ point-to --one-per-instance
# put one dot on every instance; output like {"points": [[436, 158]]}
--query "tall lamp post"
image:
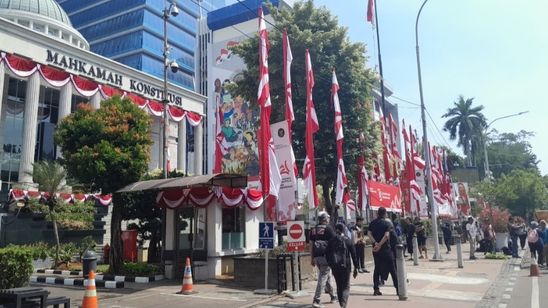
{"points": [[487, 170], [169, 11], [428, 169]]}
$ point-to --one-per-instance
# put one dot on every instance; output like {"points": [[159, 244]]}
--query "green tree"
{"points": [[50, 177], [107, 149], [509, 151], [454, 160], [329, 46], [522, 191], [465, 124]]}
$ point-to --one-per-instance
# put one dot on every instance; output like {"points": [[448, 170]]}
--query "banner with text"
{"points": [[387, 196], [287, 205]]}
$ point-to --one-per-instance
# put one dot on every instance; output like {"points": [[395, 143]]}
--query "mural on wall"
{"points": [[239, 130]]}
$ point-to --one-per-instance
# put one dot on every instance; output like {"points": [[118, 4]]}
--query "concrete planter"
{"points": [[502, 240]]}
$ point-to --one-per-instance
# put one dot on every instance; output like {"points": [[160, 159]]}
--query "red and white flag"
{"points": [[371, 12], [289, 115], [342, 181], [270, 173], [312, 126]]}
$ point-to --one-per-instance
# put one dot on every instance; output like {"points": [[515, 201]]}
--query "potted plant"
{"points": [[498, 218]]}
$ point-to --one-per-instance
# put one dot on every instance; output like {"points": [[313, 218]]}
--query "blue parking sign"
{"points": [[266, 235]]}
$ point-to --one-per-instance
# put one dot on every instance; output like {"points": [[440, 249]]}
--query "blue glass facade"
{"points": [[131, 32]]}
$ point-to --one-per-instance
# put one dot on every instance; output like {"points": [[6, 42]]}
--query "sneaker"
{"points": [[364, 270], [377, 293], [333, 300], [317, 305]]}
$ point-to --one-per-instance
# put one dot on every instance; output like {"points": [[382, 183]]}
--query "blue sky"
{"points": [[493, 50]]}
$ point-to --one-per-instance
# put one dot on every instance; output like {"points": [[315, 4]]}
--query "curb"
{"points": [[58, 272], [145, 279], [76, 282]]}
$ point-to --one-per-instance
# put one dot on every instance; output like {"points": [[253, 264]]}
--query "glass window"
{"points": [[11, 131], [76, 100], [113, 25], [39, 27], [103, 10], [48, 113], [233, 227], [121, 44], [192, 227]]}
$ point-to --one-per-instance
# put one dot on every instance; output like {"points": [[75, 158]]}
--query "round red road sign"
{"points": [[296, 231]]}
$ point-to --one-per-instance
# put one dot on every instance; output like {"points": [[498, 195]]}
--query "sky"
{"points": [[495, 51]]}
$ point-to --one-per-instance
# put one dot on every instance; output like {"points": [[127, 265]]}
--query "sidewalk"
{"points": [[431, 284]]}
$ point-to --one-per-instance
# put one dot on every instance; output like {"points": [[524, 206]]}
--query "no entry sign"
{"points": [[296, 238]]}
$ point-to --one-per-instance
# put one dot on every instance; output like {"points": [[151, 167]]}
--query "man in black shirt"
{"points": [[379, 234], [319, 238]]}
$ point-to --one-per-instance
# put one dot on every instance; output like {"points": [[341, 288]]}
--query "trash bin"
{"points": [[129, 245], [89, 262]]}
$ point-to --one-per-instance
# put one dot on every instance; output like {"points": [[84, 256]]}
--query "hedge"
{"points": [[15, 266]]}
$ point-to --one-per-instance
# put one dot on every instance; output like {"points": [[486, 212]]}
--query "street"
{"points": [[481, 283]]}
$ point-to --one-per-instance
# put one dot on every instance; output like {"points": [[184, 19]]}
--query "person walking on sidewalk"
{"points": [[379, 234], [543, 227], [536, 242], [340, 255], [472, 231], [513, 230], [360, 244], [409, 233], [421, 238], [447, 235], [319, 238]]}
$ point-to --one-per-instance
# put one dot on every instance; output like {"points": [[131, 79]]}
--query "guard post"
{"points": [[401, 273]]}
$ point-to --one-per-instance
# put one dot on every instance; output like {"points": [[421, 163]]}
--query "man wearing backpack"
{"points": [[319, 238], [379, 234], [536, 243], [340, 251]]}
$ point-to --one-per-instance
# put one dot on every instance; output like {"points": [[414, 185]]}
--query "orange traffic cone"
{"points": [[186, 289], [90, 296], [533, 270]]}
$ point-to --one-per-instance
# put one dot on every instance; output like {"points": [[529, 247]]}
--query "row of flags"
{"points": [[392, 161]]}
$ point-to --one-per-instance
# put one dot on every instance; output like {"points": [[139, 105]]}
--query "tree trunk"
{"points": [[115, 258], [57, 244]]}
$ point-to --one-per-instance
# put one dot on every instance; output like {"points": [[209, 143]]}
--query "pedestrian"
{"points": [[522, 233], [340, 255], [513, 230], [447, 235], [489, 236], [360, 244], [472, 231], [536, 242], [544, 229], [319, 238], [379, 234], [420, 230], [409, 233]]}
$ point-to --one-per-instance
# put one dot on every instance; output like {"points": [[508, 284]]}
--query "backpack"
{"points": [[320, 246], [337, 252], [532, 236]]}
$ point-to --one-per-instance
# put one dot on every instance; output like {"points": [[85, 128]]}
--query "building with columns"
{"points": [[46, 69]]}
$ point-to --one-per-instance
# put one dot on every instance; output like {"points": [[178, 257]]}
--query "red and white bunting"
{"points": [[342, 181], [20, 194], [312, 126], [270, 172], [203, 196], [24, 68]]}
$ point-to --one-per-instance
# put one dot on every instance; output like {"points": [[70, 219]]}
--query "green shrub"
{"points": [[140, 269], [15, 266], [496, 256], [39, 250], [87, 243]]}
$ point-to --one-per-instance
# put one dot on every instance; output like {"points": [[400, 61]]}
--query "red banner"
{"points": [[387, 196]]}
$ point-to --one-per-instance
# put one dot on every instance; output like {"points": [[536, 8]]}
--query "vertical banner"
{"points": [[286, 199], [460, 191]]}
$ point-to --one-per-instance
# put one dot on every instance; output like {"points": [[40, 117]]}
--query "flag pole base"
{"points": [[265, 291]]}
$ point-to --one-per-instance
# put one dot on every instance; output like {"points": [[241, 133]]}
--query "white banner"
{"points": [[286, 202]]}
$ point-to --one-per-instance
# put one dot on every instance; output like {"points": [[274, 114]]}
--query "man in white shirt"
{"points": [[472, 231]]}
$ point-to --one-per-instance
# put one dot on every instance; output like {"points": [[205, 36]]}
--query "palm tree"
{"points": [[466, 123], [50, 177]]}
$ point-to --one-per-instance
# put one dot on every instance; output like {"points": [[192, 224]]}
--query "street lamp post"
{"points": [[428, 169], [168, 11], [487, 170]]}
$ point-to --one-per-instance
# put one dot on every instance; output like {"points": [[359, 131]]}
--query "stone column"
{"points": [[30, 120], [96, 101], [198, 148], [169, 225], [214, 235], [65, 104], [181, 146]]}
